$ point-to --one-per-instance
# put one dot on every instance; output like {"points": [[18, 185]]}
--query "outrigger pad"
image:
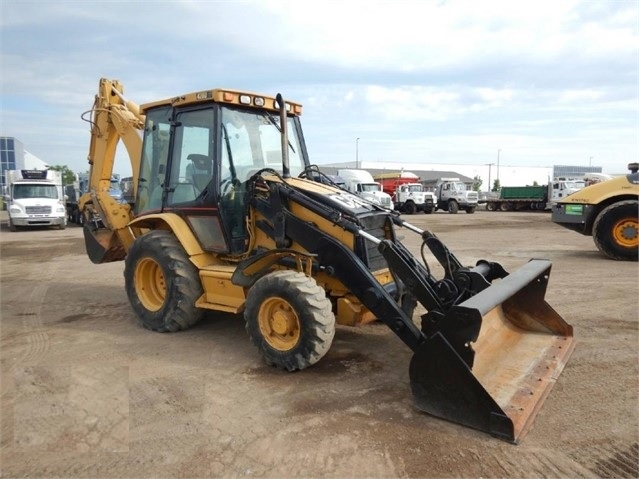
{"points": [[444, 386]]}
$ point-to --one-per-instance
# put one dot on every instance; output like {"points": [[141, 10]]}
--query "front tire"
{"points": [[410, 208], [453, 207], [289, 319], [162, 284], [615, 231]]}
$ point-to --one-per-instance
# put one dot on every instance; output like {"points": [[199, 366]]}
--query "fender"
{"points": [[177, 225]]}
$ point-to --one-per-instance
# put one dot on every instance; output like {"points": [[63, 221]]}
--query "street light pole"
{"points": [[356, 152], [498, 152], [490, 165]]}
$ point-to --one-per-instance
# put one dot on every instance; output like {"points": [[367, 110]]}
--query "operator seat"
{"points": [[200, 170]]}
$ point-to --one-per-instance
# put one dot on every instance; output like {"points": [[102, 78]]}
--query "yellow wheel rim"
{"points": [[625, 232], [150, 285], [279, 324]]}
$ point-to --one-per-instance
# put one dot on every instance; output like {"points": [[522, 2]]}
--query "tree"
{"points": [[68, 176], [496, 186], [477, 181]]}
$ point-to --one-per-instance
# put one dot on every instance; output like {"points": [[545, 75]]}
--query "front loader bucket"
{"points": [[520, 347]]}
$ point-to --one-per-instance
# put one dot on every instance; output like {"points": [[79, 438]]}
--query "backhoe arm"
{"points": [[113, 118]]}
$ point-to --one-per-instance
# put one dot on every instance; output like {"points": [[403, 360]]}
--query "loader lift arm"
{"points": [[441, 370]]}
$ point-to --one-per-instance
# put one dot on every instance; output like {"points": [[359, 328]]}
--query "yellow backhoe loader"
{"points": [[609, 212], [227, 216]]}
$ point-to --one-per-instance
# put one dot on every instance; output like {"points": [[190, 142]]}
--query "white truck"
{"points": [[361, 183], [35, 198], [407, 193], [453, 195]]}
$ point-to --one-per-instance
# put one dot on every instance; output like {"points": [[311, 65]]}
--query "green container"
{"points": [[523, 192]]}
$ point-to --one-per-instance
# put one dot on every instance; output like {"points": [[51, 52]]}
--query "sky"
{"points": [[460, 82]]}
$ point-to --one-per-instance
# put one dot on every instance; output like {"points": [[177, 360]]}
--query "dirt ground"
{"points": [[87, 393]]}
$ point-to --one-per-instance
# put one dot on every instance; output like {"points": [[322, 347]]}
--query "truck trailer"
{"points": [[535, 197]]}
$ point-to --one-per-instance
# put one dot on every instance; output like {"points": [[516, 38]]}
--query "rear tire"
{"points": [[615, 231], [162, 284], [289, 319]]}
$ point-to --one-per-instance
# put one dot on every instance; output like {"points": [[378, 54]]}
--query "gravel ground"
{"points": [[88, 393]]}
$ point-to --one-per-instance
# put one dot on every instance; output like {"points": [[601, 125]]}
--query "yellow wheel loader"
{"points": [[609, 212], [227, 216]]}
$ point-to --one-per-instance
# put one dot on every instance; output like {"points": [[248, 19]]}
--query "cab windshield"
{"points": [[252, 141], [370, 187], [34, 191]]}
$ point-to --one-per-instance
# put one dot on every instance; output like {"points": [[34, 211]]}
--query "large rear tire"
{"points": [[615, 230], [289, 319], [162, 284]]}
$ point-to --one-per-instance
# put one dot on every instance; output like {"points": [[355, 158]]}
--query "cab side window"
{"points": [[191, 163]]}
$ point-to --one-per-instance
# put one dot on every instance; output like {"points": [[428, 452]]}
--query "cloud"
{"points": [[451, 80]]}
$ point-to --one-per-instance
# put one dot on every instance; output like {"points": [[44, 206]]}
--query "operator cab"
{"points": [[196, 161]]}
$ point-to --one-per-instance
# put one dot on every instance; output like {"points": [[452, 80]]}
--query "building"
{"points": [[571, 171], [13, 156]]}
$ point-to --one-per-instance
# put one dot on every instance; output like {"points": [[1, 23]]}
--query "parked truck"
{"points": [[535, 197], [452, 195], [73, 192], [79, 187], [362, 183], [407, 192], [35, 198]]}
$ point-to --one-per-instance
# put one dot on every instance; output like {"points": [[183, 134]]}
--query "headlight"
{"points": [[574, 209], [15, 209], [60, 209]]}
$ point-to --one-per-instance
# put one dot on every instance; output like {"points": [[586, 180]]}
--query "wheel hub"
{"points": [[150, 284], [626, 233], [279, 324], [282, 322]]}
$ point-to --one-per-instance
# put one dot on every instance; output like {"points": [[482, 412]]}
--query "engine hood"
{"points": [[335, 198]]}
